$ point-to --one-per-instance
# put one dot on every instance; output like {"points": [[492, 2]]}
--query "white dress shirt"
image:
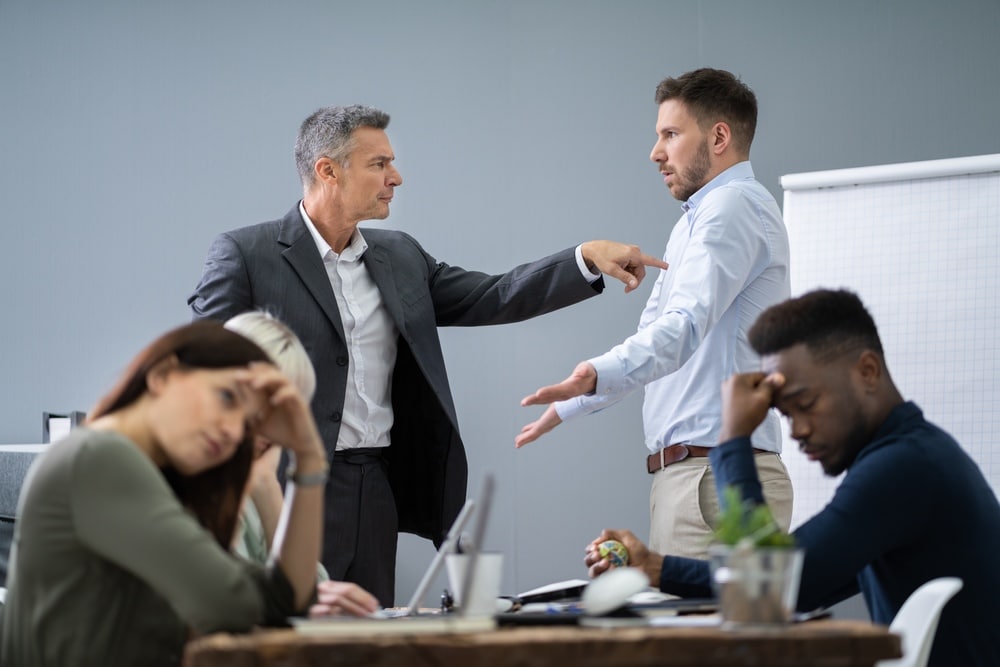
{"points": [[728, 259], [371, 342], [366, 420]]}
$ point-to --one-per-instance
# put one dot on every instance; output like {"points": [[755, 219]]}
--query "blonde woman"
{"points": [[262, 507]]}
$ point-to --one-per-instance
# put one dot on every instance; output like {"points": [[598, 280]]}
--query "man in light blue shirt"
{"points": [[728, 258]]}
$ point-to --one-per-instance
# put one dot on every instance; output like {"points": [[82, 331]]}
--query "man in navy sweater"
{"points": [[912, 507]]}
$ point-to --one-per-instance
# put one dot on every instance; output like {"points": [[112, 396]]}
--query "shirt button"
{"points": [[335, 416], [341, 361]]}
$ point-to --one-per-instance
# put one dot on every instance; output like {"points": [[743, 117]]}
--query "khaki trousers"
{"points": [[684, 505]]}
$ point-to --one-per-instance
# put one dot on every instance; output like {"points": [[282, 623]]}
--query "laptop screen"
{"points": [[449, 545], [453, 540]]}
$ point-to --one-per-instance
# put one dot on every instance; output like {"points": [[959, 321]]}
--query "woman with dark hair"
{"points": [[121, 549]]}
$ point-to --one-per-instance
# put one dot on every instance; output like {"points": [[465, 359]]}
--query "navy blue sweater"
{"points": [[913, 506]]}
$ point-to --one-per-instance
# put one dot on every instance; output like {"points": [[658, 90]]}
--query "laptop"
{"points": [[450, 545], [411, 618]]}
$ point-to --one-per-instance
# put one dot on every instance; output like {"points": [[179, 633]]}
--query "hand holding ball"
{"points": [[614, 551]]}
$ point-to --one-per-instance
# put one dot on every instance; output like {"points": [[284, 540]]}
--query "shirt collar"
{"points": [[352, 253], [739, 171]]}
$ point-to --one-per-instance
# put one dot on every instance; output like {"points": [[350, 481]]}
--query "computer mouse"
{"points": [[612, 590]]}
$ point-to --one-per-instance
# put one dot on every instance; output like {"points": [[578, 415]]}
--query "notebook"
{"points": [[411, 618]]}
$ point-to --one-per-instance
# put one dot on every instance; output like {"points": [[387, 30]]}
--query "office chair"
{"points": [[917, 621]]}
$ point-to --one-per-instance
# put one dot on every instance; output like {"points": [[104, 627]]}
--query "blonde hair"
{"points": [[281, 345]]}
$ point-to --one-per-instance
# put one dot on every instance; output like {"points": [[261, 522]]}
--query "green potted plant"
{"points": [[755, 565]]}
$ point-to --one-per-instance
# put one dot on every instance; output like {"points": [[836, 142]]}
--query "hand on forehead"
{"points": [[255, 391]]}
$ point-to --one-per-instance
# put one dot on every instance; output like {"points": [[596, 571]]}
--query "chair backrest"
{"points": [[917, 621]]}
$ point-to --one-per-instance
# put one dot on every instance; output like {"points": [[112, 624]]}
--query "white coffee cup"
{"points": [[485, 585]]}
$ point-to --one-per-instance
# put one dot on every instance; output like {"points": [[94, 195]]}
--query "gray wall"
{"points": [[131, 133]]}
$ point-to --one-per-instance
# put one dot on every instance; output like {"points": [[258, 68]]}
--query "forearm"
{"points": [[298, 538], [655, 351], [587, 404], [469, 298], [733, 465]]}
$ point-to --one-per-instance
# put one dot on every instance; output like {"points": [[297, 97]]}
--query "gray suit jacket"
{"points": [[275, 266]]}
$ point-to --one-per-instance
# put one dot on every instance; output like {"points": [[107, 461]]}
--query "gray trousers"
{"points": [[361, 526]]}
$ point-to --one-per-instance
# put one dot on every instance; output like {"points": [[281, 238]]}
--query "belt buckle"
{"points": [[682, 450]]}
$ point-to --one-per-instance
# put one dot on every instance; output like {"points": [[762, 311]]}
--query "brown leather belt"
{"points": [[674, 453]]}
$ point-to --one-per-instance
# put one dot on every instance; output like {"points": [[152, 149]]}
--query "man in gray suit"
{"points": [[366, 304]]}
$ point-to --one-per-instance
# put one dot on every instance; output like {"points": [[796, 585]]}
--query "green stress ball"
{"points": [[615, 552]]}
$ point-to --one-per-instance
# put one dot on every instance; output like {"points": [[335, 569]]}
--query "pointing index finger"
{"points": [[649, 260]]}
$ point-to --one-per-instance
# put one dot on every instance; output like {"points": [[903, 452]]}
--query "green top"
{"points": [[108, 569]]}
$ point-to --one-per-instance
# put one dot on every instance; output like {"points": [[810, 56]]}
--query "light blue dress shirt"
{"points": [[728, 259]]}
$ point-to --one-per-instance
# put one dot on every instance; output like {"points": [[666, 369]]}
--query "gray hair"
{"points": [[280, 344], [329, 133]]}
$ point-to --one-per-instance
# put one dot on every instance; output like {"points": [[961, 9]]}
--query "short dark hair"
{"points": [[829, 322], [328, 132], [215, 495], [713, 95]]}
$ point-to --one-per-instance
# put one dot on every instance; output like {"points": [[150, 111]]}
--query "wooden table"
{"points": [[827, 643]]}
